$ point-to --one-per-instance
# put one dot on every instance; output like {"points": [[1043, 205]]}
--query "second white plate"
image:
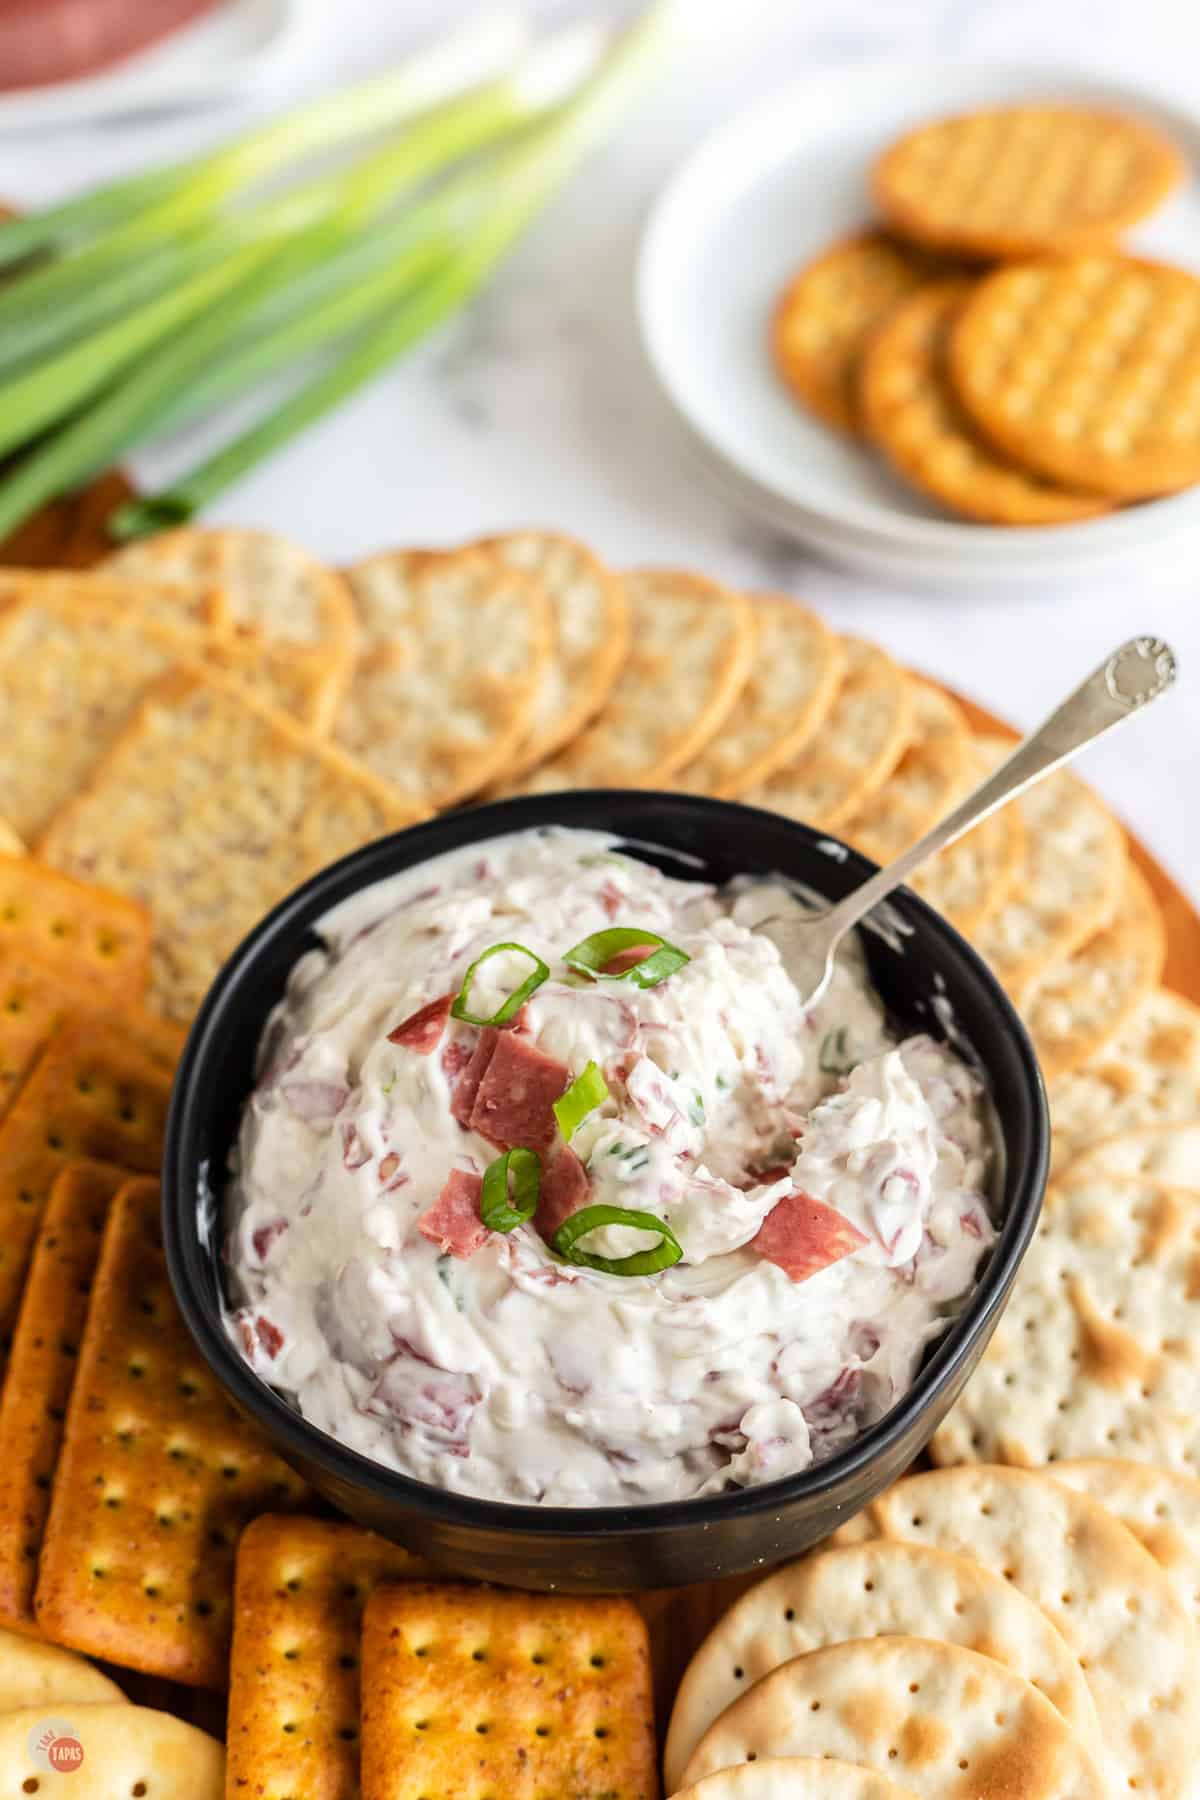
{"points": [[760, 198]]}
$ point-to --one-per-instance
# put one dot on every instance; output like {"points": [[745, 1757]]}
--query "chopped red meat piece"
{"points": [[269, 1336], [455, 1057], [422, 1030], [453, 1222], [514, 1097], [265, 1236], [628, 958], [803, 1236], [565, 1188], [462, 1101]]}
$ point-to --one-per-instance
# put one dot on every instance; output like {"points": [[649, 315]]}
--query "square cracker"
{"points": [[36, 999], [157, 1476], [471, 1694], [92, 1093], [96, 940], [209, 809], [301, 1588], [42, 1370]]}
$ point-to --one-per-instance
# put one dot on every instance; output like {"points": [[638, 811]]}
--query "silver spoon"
{"points": [[1130, 678]]}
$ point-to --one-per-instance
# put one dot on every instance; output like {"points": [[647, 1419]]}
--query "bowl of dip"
{"points": [[510, 1187]]}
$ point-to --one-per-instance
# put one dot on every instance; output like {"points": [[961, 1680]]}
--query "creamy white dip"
{"points": [[483, 1363]]}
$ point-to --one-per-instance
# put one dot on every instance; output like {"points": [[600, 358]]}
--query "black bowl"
{"points": [[605, 1548]]}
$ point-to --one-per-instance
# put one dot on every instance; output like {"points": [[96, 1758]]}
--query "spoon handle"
{"points": [[1130, 678]]}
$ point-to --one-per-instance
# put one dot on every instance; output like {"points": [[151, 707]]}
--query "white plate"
{"points": [[223, 53], [757, 200]]}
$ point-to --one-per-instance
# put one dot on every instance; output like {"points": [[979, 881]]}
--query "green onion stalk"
{"points": [[524, 180]]}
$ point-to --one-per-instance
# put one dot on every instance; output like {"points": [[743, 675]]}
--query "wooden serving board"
{"points": [[71, 534]]}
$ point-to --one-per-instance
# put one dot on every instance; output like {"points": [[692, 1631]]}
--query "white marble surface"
{"points": [[536, 407]]}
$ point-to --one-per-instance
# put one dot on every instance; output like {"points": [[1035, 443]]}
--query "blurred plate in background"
{"points": [[761, 197]]}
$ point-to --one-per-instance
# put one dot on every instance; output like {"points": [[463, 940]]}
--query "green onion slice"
{"points": [[516, 1000], [501, 1207], [590, 956], [642, 1262], [582, 1097], [834, 1057]]}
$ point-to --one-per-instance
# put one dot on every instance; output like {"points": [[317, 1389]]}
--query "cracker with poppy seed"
{"points": [[301, 1588], [208, 809], [157, 1476], [945, 1721], [869, 1590], [1117, 1609], [1100, 1342], [41, 1372], [470, 1690], [92, 1093], [96, 940], [1148, 1075]]}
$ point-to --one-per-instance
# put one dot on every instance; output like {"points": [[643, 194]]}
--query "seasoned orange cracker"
{"points": [[1086, 369], [862, 740], [41, 1372], [1079, 1004], [591, 630], [793, 682], [692, 651], [911, 413], [1017, 180], [469, 1690], [274, 590], [207, 810], [301, 1588], [95, 939], [930, 776], [156, 1478], [91, 1094], [826, 313]]}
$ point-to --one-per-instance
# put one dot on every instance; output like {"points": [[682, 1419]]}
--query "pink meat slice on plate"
{"points": [[453, 1222], [804, 1236]]}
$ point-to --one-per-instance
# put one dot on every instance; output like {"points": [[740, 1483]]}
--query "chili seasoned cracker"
{"points": [[97, 941], [41, 1372], [1086, 369], [871, 1590], [793, 682], [301, 1588], [91, 1094], [157, 1476], [1019, 180], [912, 414], [122, 1750], [864, 737], [826, 314], [208, 810], [469, 1690], [692, 652], [952, 1723], [456, 645], [1114, 1605]]}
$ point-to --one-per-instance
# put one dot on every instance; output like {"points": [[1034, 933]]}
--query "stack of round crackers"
{"points": [[989, 338]]}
